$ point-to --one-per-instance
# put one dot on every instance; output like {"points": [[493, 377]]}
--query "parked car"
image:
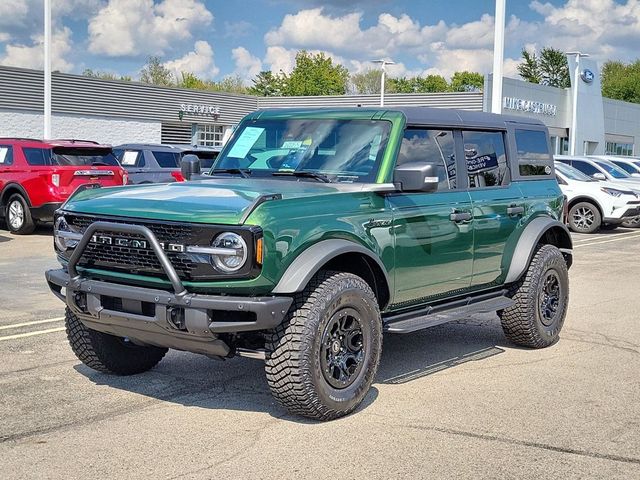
{"points": [[594, 204], [155, 163], [600, 169], [631, 165], [37, 176], [316, 231]]}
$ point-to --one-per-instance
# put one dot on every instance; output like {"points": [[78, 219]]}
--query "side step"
{"points": [[431, 316]]}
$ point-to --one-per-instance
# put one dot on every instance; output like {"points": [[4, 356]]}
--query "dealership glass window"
{"points": [[6, 155], [533, 153], [614, 148], [485, 158], [559, 145], [210, 135], [37, 156], [433, 146]]}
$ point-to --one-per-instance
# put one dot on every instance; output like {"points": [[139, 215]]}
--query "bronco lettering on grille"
{"points": [[134, 243]]}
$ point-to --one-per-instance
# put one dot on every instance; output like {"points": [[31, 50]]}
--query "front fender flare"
{"points": [[309, 262], [525, 248]]}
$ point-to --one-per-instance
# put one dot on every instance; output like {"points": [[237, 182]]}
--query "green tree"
{"points": [[466, 82], [315, 74], [268, 84], [400, 85], [431, 84], [229, 84], [549, 68], [155, 73], [367, 82], [189, 80], [621, 81], [87, 72]]}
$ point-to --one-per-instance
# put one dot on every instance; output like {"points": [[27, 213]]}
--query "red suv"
{"points": [[36, 176]]}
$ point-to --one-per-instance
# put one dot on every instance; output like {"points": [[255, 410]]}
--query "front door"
{"points": [[498, 206], [433, 231]]}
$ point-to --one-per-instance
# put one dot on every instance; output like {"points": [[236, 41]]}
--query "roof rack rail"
{"points": [[22, 138], [74, 140]]}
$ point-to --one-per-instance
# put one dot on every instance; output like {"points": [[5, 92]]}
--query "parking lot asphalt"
{"points": [[454, 401]]}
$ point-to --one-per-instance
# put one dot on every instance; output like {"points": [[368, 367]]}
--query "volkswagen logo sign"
{"points": [[587, 76]]}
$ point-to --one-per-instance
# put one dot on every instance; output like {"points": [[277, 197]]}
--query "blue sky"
{"points": [[215, 38]]}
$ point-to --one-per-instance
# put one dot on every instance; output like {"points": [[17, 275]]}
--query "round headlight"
{"points": [[60, 235], [236, 255]]}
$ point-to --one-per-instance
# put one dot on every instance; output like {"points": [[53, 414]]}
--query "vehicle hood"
{"points": [[204, 201]]}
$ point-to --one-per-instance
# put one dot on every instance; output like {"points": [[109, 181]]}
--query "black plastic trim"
{"points": [[45, 213]]}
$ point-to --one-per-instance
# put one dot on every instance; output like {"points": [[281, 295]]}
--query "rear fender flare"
{"points": [[529, 239], [9, 187]]}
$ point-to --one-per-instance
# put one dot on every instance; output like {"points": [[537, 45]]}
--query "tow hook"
{"points": [[175, 317]]}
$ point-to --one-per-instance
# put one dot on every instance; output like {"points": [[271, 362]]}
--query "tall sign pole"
{"points": [[498, 57], [47, 69], [383, 65]]}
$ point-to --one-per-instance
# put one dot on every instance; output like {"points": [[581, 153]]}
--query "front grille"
{"points": [[143, 261]]}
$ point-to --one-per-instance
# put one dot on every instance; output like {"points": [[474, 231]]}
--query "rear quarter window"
{"points": [[37, 156], [167, 159], [534, 158]]}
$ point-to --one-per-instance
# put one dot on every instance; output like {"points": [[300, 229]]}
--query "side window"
{"points": [[486, 160], [433, 146], [533, 153], [625, 166], [129, 158], [37, 156], [584, 167], [167, 159], [6, 155]]}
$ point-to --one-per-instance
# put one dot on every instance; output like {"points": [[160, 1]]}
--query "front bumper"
{"points": [[622, 214], [146, 315], [178, 319]]}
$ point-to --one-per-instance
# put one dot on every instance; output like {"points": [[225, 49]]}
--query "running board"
{"points": [[431, 316]]}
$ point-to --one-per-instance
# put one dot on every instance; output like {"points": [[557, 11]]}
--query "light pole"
{"points": [[573, 138], [498, 57], [383, 64], [47, 68]]}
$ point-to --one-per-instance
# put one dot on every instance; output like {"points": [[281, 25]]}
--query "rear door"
{"points": [[167, 163], [6, 164], [497, 202], [133, 162], [433, 231]]}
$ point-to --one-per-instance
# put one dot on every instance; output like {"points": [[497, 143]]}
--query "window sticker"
{"points": [[3, 155], [129, 158], [245, 141]]}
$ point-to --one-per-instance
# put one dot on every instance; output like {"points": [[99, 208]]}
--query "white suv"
{"points": [[594, 204]]}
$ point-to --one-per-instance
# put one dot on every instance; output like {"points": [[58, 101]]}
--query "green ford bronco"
{"points": [[315, 232]]}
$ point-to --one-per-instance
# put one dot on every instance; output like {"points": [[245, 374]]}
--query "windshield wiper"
{"points": [[302, 173], [244, 172]]}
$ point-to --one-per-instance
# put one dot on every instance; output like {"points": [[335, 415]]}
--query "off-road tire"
{"points": [[27, 225], [524, 323], [591, 214], [295, 349], [107, 353]]}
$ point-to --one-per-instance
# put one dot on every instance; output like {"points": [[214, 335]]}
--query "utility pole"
{"points": [[498, 57], [47, 69]]}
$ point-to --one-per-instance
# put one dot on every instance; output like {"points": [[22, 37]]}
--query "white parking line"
{"points": [[605, 241], [31, 334], [27, 324], [590, 237]]}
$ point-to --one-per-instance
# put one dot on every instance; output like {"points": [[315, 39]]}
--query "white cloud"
{"points": [[140, 27], [199, 62], [247, 65], [32, 56]]}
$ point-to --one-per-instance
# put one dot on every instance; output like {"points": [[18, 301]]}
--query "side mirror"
{"points": [[599, 176], [416, 177], [189, 166]]}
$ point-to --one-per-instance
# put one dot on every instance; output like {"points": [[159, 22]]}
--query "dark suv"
{"points": [[315, 232], [155, 163], [37, 176]]}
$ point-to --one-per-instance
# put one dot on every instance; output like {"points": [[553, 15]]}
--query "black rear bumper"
{"points": [[44, 213]]}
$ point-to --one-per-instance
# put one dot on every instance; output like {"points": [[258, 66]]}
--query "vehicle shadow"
{"points": [[42, 229], [239, 383]]}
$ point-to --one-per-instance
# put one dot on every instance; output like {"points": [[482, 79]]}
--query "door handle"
{"points": [[515, 210], [460, 216]]}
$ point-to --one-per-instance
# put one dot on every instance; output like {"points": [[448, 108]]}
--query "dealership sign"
{"points": [[195, 109], [529, 106]]}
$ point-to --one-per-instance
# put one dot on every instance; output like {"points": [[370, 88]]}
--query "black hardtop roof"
{"points": [[419, 115], [147, 146]]}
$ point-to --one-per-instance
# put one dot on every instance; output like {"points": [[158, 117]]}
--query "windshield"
{"points": [[79, 157], [611, 169], [573, 174], [339, 150]]}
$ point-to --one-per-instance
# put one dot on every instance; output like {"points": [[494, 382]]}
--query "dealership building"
{"points": [[118, 112]]}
